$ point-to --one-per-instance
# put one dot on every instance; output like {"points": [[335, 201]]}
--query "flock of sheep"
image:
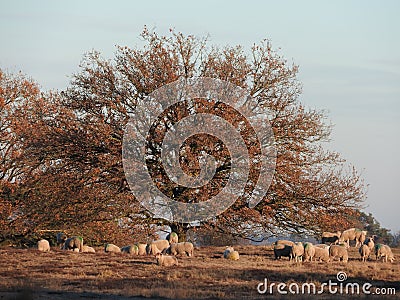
{"points": [[334, 246], [165, 251], [338, 242]]}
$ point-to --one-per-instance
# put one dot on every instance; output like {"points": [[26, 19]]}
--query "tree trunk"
{"points": [[180, 229]]}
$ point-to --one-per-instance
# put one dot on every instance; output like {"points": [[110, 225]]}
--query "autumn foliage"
{"points": [[61, 161]]}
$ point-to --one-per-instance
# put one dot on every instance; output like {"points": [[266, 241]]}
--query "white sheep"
{"points": [[130, 249], [309, 251], [297, 252], [172, 237], [353, 234], [112, 248], [157, 246], [141, 248], [321, 253], [365, 252], [181, 249], [166, 260], [88, 249], [340, 252], [43, 245], [384, 252]]}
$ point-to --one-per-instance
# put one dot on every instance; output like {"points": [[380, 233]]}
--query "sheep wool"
{"points": [[43, 245], [141, 248], [184, 248], [233, 255], [111, 248], [172, 237], [165, 260]]}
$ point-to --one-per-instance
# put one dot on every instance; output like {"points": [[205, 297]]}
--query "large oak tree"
{"points": [[67, 164]]}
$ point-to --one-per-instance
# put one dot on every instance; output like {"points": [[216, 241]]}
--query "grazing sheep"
{"points": [[340, 252], [88, 249], [172, 237], [165, 260], [43, 245], [330, 237], [157, 246], [282, 250], [130, 249], [297, 252], [384, 252], [353, 234], [365, 252], [112, 248], [321, 253], [180, 249], [309, 251], [72, 243], [284, 242], [61, 238], [141, 248]]}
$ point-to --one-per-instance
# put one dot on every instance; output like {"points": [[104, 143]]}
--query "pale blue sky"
{"points": [[348, 53]]}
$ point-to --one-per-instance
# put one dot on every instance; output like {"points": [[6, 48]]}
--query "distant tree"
{"points": [[396, 239], [71, 142], [369, 223]]}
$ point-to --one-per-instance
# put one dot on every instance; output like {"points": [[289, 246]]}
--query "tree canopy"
{"points": [[61, 161]]}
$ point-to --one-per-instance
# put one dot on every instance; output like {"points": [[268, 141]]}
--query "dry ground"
{"points": [[29, 274]]}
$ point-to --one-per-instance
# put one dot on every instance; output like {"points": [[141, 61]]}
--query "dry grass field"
{"points": [[30, 274]]}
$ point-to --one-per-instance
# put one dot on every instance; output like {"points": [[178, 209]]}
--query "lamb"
{"points": [[72, 243], [282, 250], [365, 252], [88, 249], [172, 237], [309, 251], [353, 234], [297, 252], [231, 254], [180, 249], [130, 249], [336, 251], [112, 248], [321, 254], [384, 252], [61, 237], [157, 246], [141, 248], [165, 260], [331, 238], [43, 245]]}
